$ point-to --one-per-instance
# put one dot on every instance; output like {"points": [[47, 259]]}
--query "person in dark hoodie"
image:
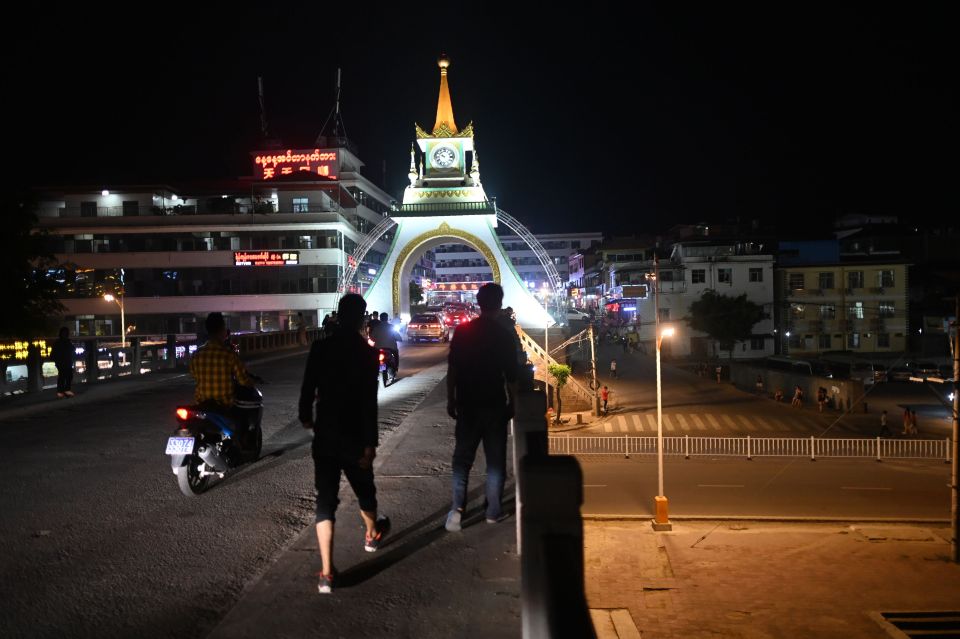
{"points": [[62, 353]]}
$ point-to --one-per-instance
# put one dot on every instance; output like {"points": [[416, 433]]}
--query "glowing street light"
{"points": [[109, 297], [661, 519]]}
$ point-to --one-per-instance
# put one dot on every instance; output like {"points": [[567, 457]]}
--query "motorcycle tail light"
{"points": [[183, 414], [382, 357]]}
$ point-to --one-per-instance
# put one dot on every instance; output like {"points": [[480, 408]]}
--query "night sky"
{"points": [[601, 119]]}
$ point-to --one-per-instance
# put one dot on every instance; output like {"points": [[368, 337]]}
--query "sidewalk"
{"points": [[424, 582], [751, 579]]}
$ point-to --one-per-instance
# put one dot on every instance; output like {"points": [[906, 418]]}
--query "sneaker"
{"points": [[453, 520], [497, 519], [61, 395], [68, 393], [325, 584], [382, 526]]}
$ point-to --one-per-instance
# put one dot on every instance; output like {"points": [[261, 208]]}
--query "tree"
{"points": [[724, 318], [560, 373], [27, 288], [416, 293]]}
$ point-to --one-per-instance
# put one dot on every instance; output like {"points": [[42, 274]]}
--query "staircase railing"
{"points": [[540, 356]]}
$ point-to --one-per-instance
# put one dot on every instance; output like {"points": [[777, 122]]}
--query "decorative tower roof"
{"points": [[444, 127]]}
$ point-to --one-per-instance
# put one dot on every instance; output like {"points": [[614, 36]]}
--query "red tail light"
{"points": [[382, 356], [183, 414]]}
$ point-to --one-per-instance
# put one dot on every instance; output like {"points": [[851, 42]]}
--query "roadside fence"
{"points": [[749, 447]]}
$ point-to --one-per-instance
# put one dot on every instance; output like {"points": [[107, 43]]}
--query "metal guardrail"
{"points": [[749, 447]]}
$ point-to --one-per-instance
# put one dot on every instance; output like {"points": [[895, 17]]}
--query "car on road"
{"points": [[925, 370], [427, 326], [899, 374], [454, 317], [577, 314]]}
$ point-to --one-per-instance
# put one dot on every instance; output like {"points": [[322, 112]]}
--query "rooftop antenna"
{"points": [[339, 130]]}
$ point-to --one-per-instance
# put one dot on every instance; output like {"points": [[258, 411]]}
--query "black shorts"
{"points": [[327, 469]]}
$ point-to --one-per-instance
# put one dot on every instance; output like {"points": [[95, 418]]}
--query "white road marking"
{"points": [[637, 424], [652, 422], [763, 423], [607, 427], [719, 485], [683, 422], [698, 422], [668, 423], [746, 422], [729, 421], [713, 421], [622, 422], [864, 488]]}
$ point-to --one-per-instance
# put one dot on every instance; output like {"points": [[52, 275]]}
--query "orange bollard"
{"points": [[661, 521]]}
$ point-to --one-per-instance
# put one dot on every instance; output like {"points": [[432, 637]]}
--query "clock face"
{"points": [[444, 157]]}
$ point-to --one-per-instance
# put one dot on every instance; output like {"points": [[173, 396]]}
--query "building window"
{"points": [[853, 340], [756, 275], [796, 311], [826, 280], [795, 281], [698, 276], [664, 314], [885, 279], [883, 340], [88, 209], [855, 279], [756, 343], [887, 309], [575, 244], [825, 343], [725, 275], [131, 208], [855, 310], [666, 276], [828, 311], [301, 205]]}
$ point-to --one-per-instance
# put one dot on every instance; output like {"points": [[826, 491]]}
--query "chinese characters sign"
{"points": [[266, 258], [268, 166]]}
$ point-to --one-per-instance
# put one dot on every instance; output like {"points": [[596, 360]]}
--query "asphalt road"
{"points": [[99, 540], [775, 488]]}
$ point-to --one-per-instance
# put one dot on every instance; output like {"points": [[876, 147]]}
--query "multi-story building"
{"points": [[730, 268], [262, 250], [833, 302], [460, 263]]}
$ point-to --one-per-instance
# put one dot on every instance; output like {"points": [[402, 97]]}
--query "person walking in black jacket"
{"points": [[62, 353], [341, 378]]}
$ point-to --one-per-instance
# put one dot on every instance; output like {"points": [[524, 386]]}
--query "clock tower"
{"points": [[449, 168]]}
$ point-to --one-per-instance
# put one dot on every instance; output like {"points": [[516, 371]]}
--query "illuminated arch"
{"points": [[444, 231]]}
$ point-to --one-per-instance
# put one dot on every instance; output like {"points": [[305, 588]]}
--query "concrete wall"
{"points": [[844, 394]]}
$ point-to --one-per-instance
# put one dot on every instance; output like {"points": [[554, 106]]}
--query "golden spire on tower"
{"points": [[444, 126]]}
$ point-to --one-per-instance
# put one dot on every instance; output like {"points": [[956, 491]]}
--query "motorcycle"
{"points": [[388, 366], [207, 443]]}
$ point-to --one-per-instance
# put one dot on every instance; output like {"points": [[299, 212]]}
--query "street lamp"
{"points": [[661, 520], [123, 323]]}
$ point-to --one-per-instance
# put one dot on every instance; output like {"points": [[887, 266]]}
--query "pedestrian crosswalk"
{"points": [[705, 423]]}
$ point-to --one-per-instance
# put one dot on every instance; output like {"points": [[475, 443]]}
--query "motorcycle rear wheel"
{"points": [[189, 479]]}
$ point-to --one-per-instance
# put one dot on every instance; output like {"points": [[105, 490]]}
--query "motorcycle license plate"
{"points": [[180, 446], [383, 367]]}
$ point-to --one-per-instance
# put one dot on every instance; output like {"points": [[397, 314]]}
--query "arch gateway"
{"points": [[445, 202]]}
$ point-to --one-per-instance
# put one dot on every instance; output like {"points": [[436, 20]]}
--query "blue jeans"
{"points": [[473, 426]]}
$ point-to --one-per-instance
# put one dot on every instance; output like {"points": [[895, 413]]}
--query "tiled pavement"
{"points": [[752, 580]]}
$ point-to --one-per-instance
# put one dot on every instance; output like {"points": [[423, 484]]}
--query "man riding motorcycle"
{"points": [[385, 337], [216, 367]]}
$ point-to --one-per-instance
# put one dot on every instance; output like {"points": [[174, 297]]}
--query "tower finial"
{"points": [[413, 167], [444, 123]]}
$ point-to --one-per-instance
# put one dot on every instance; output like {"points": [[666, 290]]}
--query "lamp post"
{"points": [[661, 519], [123, 323]]}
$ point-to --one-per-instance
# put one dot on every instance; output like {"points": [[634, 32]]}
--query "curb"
{"points": [[775, 519]]}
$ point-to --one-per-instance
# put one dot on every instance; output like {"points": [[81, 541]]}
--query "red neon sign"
{"points": [[268, 166], [266, 258]]}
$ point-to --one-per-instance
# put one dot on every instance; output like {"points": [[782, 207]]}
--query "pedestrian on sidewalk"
{"points": [[62, 353], [884, 429], [613, 368], [778, 395], [345, 433], [481, 396], [604, 396], [759, 385], [797, 397], [821, 398], [719, 372], [906, 421]]}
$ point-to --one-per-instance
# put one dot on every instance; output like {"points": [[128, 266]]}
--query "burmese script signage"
{"points": [[269, 165], [266, 258]]}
